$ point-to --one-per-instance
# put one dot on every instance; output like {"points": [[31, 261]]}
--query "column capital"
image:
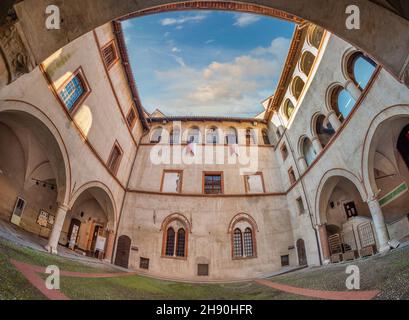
{"points": [[63, 206]]}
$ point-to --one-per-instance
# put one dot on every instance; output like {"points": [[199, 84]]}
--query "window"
{"points": [[307, 61], [248, 243], [237, 244], [308, 151], [202, 269], [212, 136], [291, 176], [74, 91], [231, 136], [193, 135], [156, 135], [288, 108], [315, 36], [342, 102], [144, 263], [115, 158], [170, 242], [300, 206], [254, 183], [285, 260], [324, 130], [213, 183], [109, 54], [266, 139], [131, 117], [172, 181], [250, 136], [180, 246], [297, 86], [284, 151], [174, 136], [360, 69]]}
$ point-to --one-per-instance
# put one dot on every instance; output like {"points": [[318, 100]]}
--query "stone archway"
{"points": [[34, 168], [385, 171], [81, 17]]}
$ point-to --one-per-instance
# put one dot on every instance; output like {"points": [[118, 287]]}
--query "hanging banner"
{"points": [[394, 194]]}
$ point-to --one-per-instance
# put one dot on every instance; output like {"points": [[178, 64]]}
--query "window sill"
{"points": [[244, 258], [175, 258]]}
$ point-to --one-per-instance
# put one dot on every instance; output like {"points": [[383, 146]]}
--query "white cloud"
{"points": [[127, 24], [245, 19], [182, 20], [209, 41], [278, 48], [176, 50]]}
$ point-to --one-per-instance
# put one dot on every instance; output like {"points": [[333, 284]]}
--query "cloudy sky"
{"points": [[209, 63]]}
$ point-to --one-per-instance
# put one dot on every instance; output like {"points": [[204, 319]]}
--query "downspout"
{"points": [[146, 132], [303, 189]]}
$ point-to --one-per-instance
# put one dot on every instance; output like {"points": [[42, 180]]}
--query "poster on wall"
{"points": [[51, 219], [100, 244], [42, 219]]}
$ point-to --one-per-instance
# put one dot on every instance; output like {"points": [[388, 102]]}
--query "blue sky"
{"points": [[209, 63]]}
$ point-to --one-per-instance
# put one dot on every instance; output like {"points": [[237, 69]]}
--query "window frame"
{"points": [[292, 177], [86, 88], [115, 50], [284, 151], [246, 187], [165, 229], [180, 181], [132, 124], [242, 232], [213, 173], [114, 170]]}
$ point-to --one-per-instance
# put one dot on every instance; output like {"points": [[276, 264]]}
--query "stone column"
{"points": [[333, 119], [110, 245], [302, 163], [353, 90], [56, 232], [379, 223], [316, 143], [322, 229]]}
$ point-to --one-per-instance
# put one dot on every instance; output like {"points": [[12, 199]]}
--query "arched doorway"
{"points": [[123, 251], [347, 230], [388, 170], [89, 224], [33, 171], [302, 255]]}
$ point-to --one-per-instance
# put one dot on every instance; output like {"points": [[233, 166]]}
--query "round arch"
{"points": [[368, 154], [51, 135], [329, 180], [102, 194]]}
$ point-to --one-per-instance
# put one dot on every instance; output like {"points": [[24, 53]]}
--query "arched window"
{"points": [[342, 102], [170, 242], [307, 61], [308, 151], [193, 135], [248, 243], [237, 244], [266, 138], [231, 136], [212, 136], [181, 241], [324, 130], [288, 108], [174, 137], [156, 136], [315, 36], [251, 136], [297, 86], [360, 69]]}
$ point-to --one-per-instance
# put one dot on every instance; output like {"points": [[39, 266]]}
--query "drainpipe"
{"points": [[146, 132], [303, 188]]}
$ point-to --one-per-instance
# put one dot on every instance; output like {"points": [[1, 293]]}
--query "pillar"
{"points": [[322, 230], [379, 223], [56, 232], [353, 90], [333, 119], [302, 163], [316, 143], [110, 245]]}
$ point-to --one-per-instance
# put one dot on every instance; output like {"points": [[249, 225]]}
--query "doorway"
{"points": [[123, 251], [302, 255], [73, 232]]}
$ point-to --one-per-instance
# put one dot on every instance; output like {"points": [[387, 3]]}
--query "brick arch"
{"points": [[242, 217], [173, 217], [79, 19]]}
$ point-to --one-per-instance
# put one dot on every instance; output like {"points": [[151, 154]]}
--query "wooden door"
{"points": [[302, 255], [123, 250]]}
